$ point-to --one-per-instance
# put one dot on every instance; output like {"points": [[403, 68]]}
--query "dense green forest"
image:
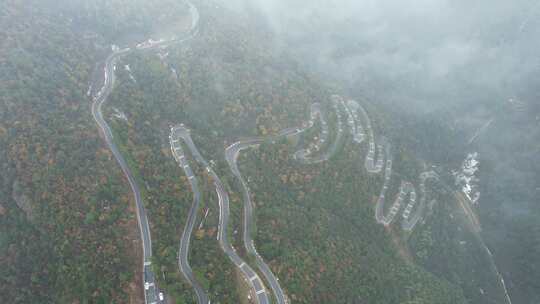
{"points": [[322, 238], [509, 170], [315, 225], [67, 226], [68, 232], [179, 85]]}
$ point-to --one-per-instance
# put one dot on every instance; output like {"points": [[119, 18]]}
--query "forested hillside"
{"points": [[67, 228], [315, 224], [68, 231]]}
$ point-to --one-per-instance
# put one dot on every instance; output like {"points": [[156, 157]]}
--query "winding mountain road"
{"points": [[152, 293], [413, 212], [409, 221], [183, 253], [379, 208], [355, 126], [231, 155], [232, 152], [374, 163], [305, 155], [251, 277]]}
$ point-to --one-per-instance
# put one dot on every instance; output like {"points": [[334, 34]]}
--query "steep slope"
{"points": [[67, 227], [314, 225]]}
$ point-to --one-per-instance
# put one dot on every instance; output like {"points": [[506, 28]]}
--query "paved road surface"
{"points": [[231, 155], [375, 166], [372, 164], [412, 213], [305, 155], [409, 222], [183, 253], [151, 292], [353, 120], [379, 208], [251, 277], [180, 132]]}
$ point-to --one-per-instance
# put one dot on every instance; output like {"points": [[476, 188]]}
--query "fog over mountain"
{"points": [[473, 67], [422, 52], [270, 151]]}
